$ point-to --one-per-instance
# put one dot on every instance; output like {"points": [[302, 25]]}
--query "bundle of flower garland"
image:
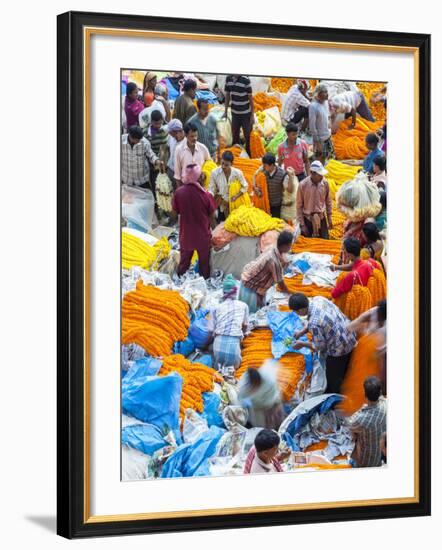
{"points": [[207, 170], [319, 246], [368, 89], [281, 84], [364, 362], [137, 252], [377, 285], [248, 167], [257, 348], [197, 379], [338, 219], [338, 174], [350, 144], [243, 200], [263, 101], [236, 150], [263, 201], [354, 302], [248, 221], [257, 149], [294, 284], [164, 192], [154, 319]]}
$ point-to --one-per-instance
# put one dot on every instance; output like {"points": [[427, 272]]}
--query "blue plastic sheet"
{"points": [[146, 366], [199, 329], [304, 411], [147, 438], [153, 399], [283, 325], [192, 459], [210, 412], [186, 347], [208, 95], [302, 265], [205, 360]]}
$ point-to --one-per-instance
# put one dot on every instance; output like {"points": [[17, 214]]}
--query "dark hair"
{"points": [[285, 237], [291, 127], [372, 139], [265, 440], [372, 388], [381, 162], [352, 246], [371, 231], [200, 101], [135, 132], [189, 85], [298, 301], [268, 158], [254, 376], [382, 311], [156, 115], [228, 156], [131, 86], [190, 127], [383, 198]]}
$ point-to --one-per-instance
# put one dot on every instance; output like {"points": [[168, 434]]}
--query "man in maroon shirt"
{"points": [[360, 270], [196, 209]]}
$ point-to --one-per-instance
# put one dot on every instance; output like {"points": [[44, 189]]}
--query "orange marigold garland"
{"points": [[257, 149], [197, 379], [154, 319], [263, 201], [350, 144], [257, 348]]}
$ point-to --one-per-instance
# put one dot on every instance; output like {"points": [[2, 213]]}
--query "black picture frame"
{"points": [[70, 265]]}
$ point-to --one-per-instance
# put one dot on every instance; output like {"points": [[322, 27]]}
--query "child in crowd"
{"points": [[263, 457]]}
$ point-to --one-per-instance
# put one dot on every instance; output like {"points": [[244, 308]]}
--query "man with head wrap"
{"points": [[227, 323], [196, 209]]}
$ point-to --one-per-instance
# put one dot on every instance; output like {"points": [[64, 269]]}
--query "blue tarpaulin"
{"points": [[147, 438], [211, 413], [192, 459], [283, 325], [199, 329]]}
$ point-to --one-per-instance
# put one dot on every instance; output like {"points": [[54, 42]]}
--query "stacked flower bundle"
{"points": [[154, 319], [368, 89], [248, 221], [350, 144], [338, 174], [263, 101], [281, 84], [137, 252], [257, 149], [257, 348], [319, 246], [262, 201], [197, 379]]}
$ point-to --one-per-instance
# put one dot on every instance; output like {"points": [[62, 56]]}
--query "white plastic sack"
{"points": [[194, 426], [272, 122], [359, 198], [138, 206], [224, 129]]}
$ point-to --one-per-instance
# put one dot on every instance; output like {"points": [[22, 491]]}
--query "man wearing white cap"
{"points": [[314, 204]]}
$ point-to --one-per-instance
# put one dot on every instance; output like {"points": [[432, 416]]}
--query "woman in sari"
{"points": [[374, 245]]}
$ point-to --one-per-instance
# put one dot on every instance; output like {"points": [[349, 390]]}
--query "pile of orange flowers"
{"points": [[338, 219], [154, 319], [263, 101], [319, 246], [257, 348], [294, 284], [281, 84], [364, 362], [368, 89], [350, 144], [263, 201], [248, 167], [197, 379]]}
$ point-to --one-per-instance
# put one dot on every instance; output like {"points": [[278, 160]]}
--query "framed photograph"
{"points": [[224, 268]]}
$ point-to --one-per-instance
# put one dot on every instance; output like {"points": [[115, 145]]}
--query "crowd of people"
{"points": [[178, 139]]}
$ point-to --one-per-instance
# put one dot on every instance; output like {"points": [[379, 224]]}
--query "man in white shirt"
{"points": [[350, 103], [220, 180], [296, 104], [175, 138], [189, 151]]}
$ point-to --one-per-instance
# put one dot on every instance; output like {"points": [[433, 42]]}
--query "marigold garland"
{"points": [[378, 109], [197, 379], [350, 144], [257, 149], [281, 84], [263, 201], [257, 348], [154, 319], [248, 221], [137, 252], [243, 200], [263, 101]]}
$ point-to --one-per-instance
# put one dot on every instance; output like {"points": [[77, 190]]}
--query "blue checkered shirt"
{"points": [[328, 327]]}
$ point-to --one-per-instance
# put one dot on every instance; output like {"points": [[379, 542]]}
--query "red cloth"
{"points": [[195, 206], [251, 456], [362, 269], [132, 108]]}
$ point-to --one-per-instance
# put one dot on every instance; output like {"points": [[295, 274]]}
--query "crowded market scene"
{"points": [[253, 265]]}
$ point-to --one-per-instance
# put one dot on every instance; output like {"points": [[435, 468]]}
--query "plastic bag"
{"points": [[199, 329], [359, 198], [224, 129], [211, 411], [299, 417], [146, 438], [194, 426], [186, 347], [137, 206], [192, 459], [270, 123], [283, 325], [280, 137], [146, 366], [153, 399]]}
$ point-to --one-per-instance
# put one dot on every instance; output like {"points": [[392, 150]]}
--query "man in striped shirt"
{"points": [[238, 93], [368, 425]]}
